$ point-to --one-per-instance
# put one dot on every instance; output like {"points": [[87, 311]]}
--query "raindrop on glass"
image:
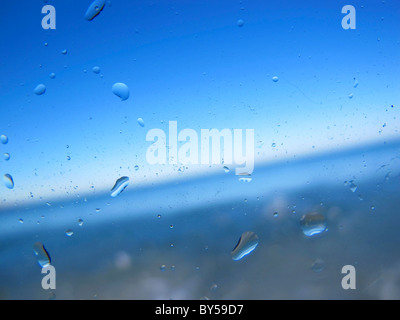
{"points": [[40, 89], [136, 168], [6, 156], [52, 75], [226, 169], [313, 223], [141, 122], [94, 9], [163, 267], [353, 187], [43, 257], [275, 79], [64, 51], [121, 90], [8, 181], [4, 139], [96, 69], [318, 265], [69, 232], [240, 23], [246, 244], [80, 222], [119, 186]]}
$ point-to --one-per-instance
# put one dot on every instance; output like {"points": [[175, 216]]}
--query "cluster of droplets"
{"points": [[7, 178]]}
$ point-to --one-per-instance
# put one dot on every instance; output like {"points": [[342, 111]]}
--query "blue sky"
{"points": [[187, 61]]}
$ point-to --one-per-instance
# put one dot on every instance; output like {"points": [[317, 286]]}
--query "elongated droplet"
{"points": [[141, 122], [119, 186], [40, 89], [313, 223], [43, 257], [246, 244], [94, 9], [8, 181], [4, 139], [121, 90]]}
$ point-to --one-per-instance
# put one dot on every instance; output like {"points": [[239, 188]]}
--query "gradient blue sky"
{"points": [[187, 61]]}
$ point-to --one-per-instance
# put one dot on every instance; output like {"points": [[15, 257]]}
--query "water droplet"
{"points": [[313, 223], [121, 90], [318, 265], [273, 145], [64, 51], [353, 187], [8, 181], [226, 169], [159, 216], [355, 85], [6, 156], [21, 220], [43, 257], [246, 244], [119, 186], [52, 75], [275, 79], [80, 222], [372, 207], [4, 139], [96, 69], [68, 158], [276, 214], [240, 23], [136, 168], [171, 226], [163, 268], [69, 232], [351, 96], [141, 122], [40, 89], [94, 9]]}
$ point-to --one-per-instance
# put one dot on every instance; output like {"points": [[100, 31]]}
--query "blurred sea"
{"points": [[174, 241]]}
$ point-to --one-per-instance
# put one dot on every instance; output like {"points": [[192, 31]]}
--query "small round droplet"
{"points": [[80, 222], [318, 265], [140, 122], [69, 232], [273, 145], [40, 89], [275, 214], [52, 75], [21, 220], [6, 156], [64, 51], [163, 268], [4, 139], [96, 69], [275, 79], [159, 216], [313, 223], [8, 181], [121, 90], [351, 96], [136, 168], [240, 23], [171, 226]]}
